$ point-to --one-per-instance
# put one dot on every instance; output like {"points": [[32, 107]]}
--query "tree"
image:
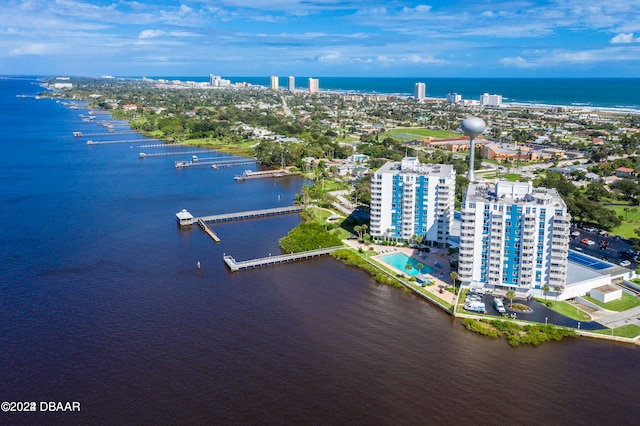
{"points": [[511, 294], [454, 277], [545, 290], [419, 267], [596, 191], [358, 230], [558, 289]]}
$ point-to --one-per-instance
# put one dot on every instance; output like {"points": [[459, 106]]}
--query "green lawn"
{"points": [[410, 133], [626, 302], [567, 309], [629, 330], [630, 219]]}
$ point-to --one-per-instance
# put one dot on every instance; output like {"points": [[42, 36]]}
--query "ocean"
{"points": [[621, 95], [101, 303]]}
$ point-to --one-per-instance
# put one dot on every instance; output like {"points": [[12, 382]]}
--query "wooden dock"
{"points": [[111, 142], [214, 163], [111, 133], [249, 214], [248, 174], [208, 231], [274, 260]]}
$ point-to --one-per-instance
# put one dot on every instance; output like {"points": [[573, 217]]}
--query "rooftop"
{"points": [[521, 193], [411, 165]]}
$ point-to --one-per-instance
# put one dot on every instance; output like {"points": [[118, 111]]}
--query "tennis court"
{"points": [[588, 261]]}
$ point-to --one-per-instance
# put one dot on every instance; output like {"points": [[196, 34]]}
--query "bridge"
{"points": [[274, 260]]}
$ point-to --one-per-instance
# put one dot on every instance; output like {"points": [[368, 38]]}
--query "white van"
{"points": [[497, 303], [474, 306]]}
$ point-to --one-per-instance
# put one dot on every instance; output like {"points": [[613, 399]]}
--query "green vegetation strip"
{"points": [[308, 236], [630, 331], [530, 334], [566, 309], [626, 302]]}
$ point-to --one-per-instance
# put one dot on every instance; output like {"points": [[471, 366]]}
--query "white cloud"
{"points": [[151, 33], [623, 38], [517, 62], [31, 49]]}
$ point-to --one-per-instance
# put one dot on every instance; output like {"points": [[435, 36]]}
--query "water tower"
{"points": [[472, 127]]}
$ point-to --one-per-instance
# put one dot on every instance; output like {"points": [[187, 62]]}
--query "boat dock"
{"points": [[90, 142], [214, 163], [274, 260], [248, 174], [208, 231], [111, 133], [166, 154], [248, 214]]}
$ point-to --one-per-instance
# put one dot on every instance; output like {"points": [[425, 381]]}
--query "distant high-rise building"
{"points": [[411, 199], [274, 82], [513, 236], [291, 83], [453, 98], [217, 81], [420, 91], [314, 85], [490, 100]]}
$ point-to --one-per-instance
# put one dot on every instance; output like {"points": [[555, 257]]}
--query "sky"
{"points": [[393, 38]]}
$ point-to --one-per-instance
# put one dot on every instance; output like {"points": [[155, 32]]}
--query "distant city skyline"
{"points": [[368, 38]]}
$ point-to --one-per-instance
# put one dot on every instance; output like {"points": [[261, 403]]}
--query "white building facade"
{"points": [[420, 91], [410, 199], [513, 236], [274, 82], [453, 98], [291, 83], [314, 85], [490, 100]]}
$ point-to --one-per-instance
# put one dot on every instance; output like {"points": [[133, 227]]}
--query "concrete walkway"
{"points": [[630, 316]]}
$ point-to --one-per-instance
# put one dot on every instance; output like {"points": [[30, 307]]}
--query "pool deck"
{"points": [[441, 257]]}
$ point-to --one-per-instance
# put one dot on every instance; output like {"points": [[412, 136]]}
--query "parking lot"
{"points": [[612, 249]]}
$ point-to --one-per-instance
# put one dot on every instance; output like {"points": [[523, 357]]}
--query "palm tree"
{"points": [[454, 277], [558, 289], [511, 294], [545, 290], [419, 267]]}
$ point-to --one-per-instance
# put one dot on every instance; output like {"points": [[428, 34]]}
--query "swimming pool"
{"points": [[400, 262]]}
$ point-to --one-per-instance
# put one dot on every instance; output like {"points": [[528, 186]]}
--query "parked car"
{"points": [[625, 263], [590, 242], [585, 240], [497, 303], [604, 233], [575, 233]]}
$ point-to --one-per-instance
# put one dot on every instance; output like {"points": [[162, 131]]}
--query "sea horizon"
{"points": [[602, 94]]}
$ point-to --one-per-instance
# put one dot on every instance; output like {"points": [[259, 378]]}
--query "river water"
{"points": [[101, 303]]}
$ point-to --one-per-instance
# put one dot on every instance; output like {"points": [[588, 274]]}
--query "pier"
{"points": [[208, 231], [111, 133], [117, 141], [248, 174], [167, 154], [274, 260], [214, 163], [247, 215]]}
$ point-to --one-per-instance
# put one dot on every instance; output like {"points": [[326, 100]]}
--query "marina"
{"points": [[274, 260]]}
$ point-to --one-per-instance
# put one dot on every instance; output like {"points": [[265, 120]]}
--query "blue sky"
{"points": [[439, 38]]}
